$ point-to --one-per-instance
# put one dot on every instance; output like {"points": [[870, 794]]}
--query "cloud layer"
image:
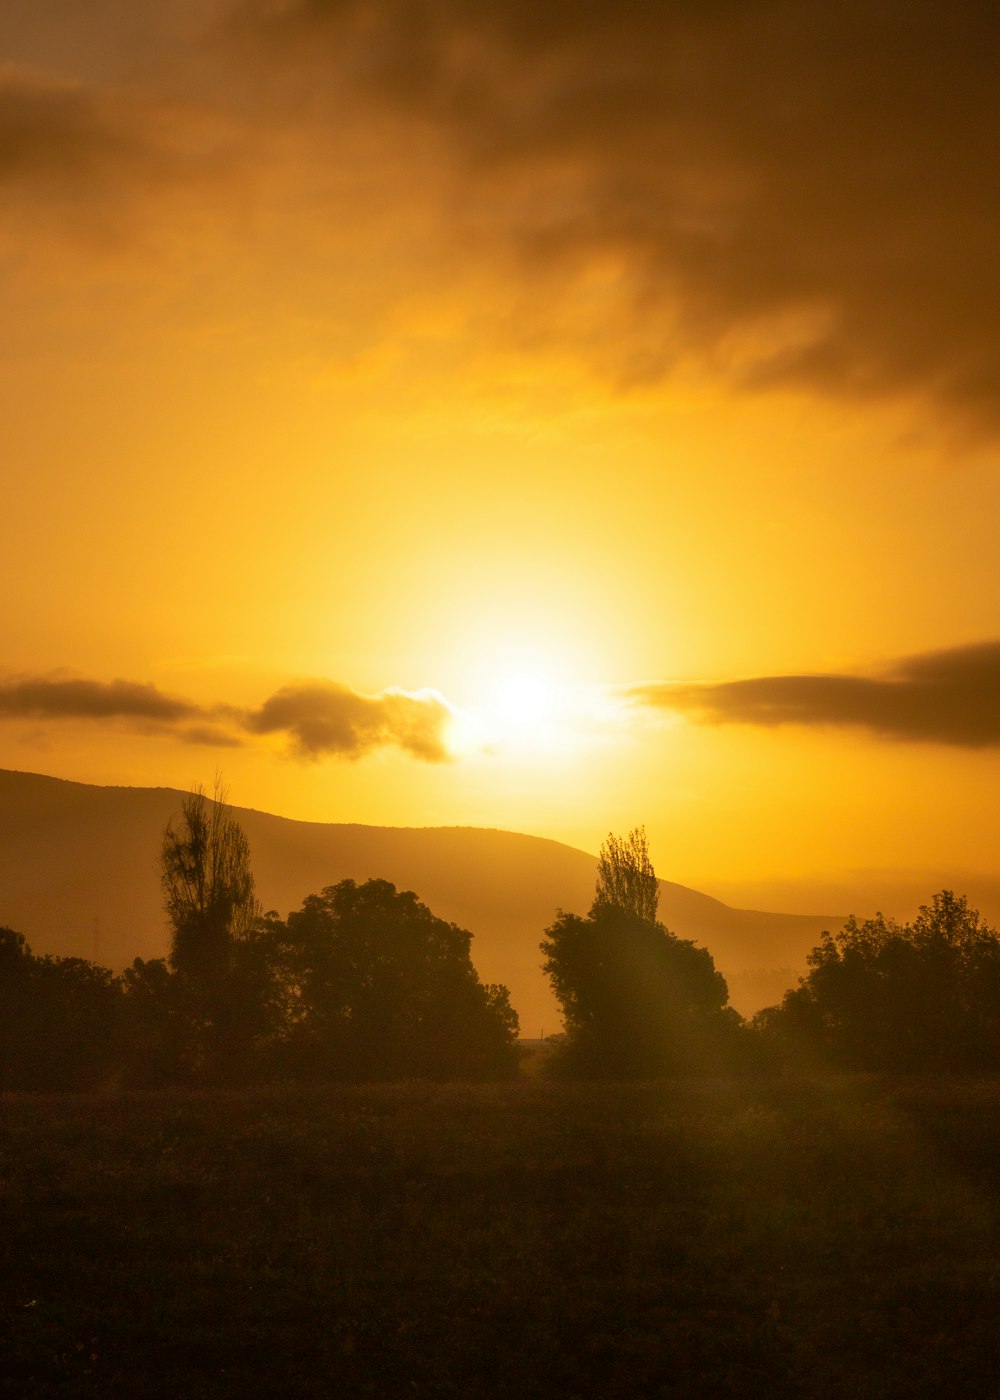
{"points": [[320, 718], [797, 191], [785, 191], [942, 697]]}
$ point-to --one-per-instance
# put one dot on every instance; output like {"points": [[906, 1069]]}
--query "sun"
{"points": [[517, 712], [522, 699], [525, 701]]}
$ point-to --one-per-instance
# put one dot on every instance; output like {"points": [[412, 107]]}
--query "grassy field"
{"points": [[817, 1238]]}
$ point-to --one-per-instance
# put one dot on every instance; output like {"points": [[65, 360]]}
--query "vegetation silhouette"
{"points": [[221, 965], [626, 879], [886, 996], [158, 1030], [60, 1019], [70, 851], [637, 1001], [378, 987], [365, 983]]}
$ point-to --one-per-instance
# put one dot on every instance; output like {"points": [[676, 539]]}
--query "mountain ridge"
{"points": [[79, 875]]}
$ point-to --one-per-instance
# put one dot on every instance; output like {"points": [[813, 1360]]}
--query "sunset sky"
{"points": [[542, 416]]}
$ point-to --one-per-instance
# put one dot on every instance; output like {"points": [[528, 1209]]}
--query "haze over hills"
{"points": [[79, 875]]}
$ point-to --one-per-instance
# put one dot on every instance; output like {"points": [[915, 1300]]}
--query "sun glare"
{"points": [[518, 712], [525, 701]]}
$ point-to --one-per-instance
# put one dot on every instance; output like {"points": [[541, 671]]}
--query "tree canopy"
{"points": [[59, 1019], [362, 983], [881, 995], [636, 999], [385, 990], [625, 876]]}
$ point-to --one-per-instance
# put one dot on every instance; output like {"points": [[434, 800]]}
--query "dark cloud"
{"points": [[783, 191], [943, 697], [322, 718], [96, 161], [67, 143], [797, 191], [319, 717], [58, 698]]}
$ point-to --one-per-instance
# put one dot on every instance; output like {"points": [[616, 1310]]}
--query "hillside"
{"points": [[79, 875]]}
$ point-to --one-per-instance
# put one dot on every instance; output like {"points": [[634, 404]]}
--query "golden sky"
{"points": [[542, 416]]}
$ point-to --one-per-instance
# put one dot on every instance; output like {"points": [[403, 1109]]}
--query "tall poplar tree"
{"points": [[211, 902], [625, 876]]}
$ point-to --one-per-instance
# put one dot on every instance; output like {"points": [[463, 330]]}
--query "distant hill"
{"points": [[79, 874]]}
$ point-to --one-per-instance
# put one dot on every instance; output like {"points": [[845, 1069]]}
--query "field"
{"points": [[810, 1238]]}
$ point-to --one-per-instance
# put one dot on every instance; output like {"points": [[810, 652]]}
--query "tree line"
{"points": [[364, 983], [878, 996]]}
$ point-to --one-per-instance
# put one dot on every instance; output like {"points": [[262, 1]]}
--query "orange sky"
{"points": [[433, 413]]}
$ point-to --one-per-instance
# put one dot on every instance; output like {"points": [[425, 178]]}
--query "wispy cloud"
{"points": [[319, 718], [941, 697]]}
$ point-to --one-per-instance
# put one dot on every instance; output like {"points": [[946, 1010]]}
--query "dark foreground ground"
{"points": [[820, 1238]]}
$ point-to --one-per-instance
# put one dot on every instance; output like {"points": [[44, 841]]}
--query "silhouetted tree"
{"points": [[625, 876], [636, 999], [156, 1025], [383, 989], [881, 995], [80, 1005], [59, 1019], [208, 886], [210, 899], [18, 1024]]}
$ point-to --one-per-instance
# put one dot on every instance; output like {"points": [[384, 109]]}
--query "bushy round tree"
{"points": [[881, 995], [383, 989]]}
